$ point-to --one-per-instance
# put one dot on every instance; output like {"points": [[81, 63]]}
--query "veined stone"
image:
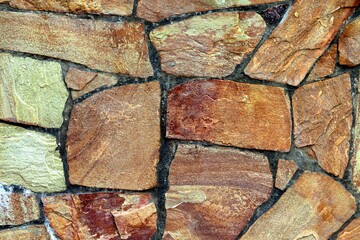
{"points": [[325, 66], [285, 171], [351, 231], [349, 44], [30, 232]]}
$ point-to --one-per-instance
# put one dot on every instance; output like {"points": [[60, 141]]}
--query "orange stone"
{"points": [[351, 231], [325, 66], [349, 44], [285, 171]]}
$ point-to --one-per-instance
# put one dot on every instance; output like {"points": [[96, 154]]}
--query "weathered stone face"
{"points": [[349, 45], [285, 171], [355, 161], [208, 45], [31, 232], [325, 66], [351, 231]]}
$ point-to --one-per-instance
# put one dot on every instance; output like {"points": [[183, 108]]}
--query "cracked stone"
{"points": [[349, 44], [285, 171], [31, 232], [325, 66], [351, 231], [208, 45]]}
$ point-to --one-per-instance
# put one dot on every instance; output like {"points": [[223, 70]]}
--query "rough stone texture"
{"points": [[351, 231], [285, 171], [355, 161], [31, 232], [274, 14], [113, 139], [294, 46], [82, 82], [325, 66], [30, 159], [31, 91], [208, 45], [109, 46], [214, 191], [156, 10], [315, 207], [349, 44], [90, 216], [322, 122], [229, 113]]}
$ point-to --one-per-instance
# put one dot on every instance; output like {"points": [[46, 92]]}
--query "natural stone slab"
{"points": [[285, 171], [314, 207], [113, 139], [82, 82], [322, 122], [31, 91], [31, 232], [118, 47], [296, 43], [30, 159], [214, 191], [325, 66], [156, 10], [351, 231], [349, 44], [90, 216], [208, 45], [229, 113], [355, 161]]}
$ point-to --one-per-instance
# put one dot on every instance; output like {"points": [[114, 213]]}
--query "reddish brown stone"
{"points": [[303, 36], [351, 231], [322, 122], [113, 139], [285, 171], [325, 66], [214, 191], [31, 232], [313, 208], [230, 113], [349, 44]]}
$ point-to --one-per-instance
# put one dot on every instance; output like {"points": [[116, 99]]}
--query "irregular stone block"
{"points": [[322, 122], [229, 113], [208, 45], [349, 44], [113, 139], [118, 47], [325, 66], [285, 171], [30, 159], [314, 207], [351, 231], [297, 42], [31, 232], [214, 191], [31, 91]]}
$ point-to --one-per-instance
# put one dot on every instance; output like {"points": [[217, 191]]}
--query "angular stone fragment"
{"points": [[355, 161], [325, 66], [214, 191], [285, 171], [314, 207], [156, 10], [108, 46], [274, 14], [208, 45], [82, 82], [31, 232], [229, 113], [90, 216], [294, 46], [113, 139], [349, 44], [30, 159], [322, 122], [351, 231], [31, 91]]}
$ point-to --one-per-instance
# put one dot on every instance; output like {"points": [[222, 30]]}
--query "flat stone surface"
{"points": [[285, 171], [31, 91], [113, 139], [325, 66], [30, 159], [297, 42], [349, 44], [314, 207], [229, 113], [322, 122], [214, 191], [156, 10], [208, 45], [82, 82], [90, 216], [31, 232], [351, 231], [118, 47]]}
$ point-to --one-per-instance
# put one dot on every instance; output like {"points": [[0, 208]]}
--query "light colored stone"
{"points": [[31, 232], [325, 66], [285, 171], [349, 44], [355, 160], [351, 231]]}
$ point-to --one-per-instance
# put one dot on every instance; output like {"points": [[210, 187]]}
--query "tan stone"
{"points": [[113, 139], [325, 66], [285, 171], [314, 207], [229, 113], [118, 47], [349, 44], [296, 43], [208, 45], [351, 231], [322, 122], [31, 232], [214, 191]]}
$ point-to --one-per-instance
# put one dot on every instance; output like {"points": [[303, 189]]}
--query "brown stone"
{"points": [[107, 46], [82, 82], [31, 232], [351, 231], [90, 216], [349, 44], [208, 45], [322, 122], [229, 113], [297, 42], [325, 66], [355, 160], [214, 191], [314, 207], [156, 10], [285, 171], [113, 139]]}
